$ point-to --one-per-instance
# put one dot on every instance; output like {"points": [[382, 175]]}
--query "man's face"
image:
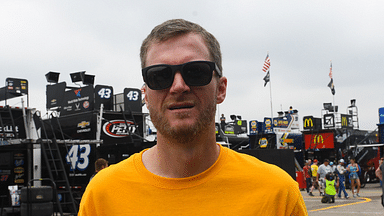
{"points": [[181, 110], [326, 163]]}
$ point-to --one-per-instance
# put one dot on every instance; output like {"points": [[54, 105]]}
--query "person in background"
{"points": [[353, 169], [222, 123], [330, 188], [341, 171], [321, 172], [100, 164], [333, 167], [379, 172], [307, 175], [315, 182]]}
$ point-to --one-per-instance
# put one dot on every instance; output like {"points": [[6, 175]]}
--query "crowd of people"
{"points": [[330, 179]]}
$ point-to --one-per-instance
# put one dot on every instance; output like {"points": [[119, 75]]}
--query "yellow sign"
{"points": [[308, 123], [344, 121], [318, 139]]}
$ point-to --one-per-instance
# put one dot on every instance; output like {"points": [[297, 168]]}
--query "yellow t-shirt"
{"points": [[314, 169], [237, 184]]}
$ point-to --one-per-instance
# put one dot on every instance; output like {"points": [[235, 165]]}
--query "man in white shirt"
{"points": [[322, 171]]}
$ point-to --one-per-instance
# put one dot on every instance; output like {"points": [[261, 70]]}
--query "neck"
{"points": [[172, 159]]}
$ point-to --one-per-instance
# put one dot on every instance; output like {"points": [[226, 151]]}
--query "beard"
{"points": [[183, 134]]}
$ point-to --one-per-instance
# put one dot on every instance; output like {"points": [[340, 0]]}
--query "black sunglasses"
{"points": [[195, 73]]}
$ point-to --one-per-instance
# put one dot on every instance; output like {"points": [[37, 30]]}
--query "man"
{"points": [[341, 173], [322, 172], [315, 181], [100, 164], [222, 122], [186, 172], [307, 173]]}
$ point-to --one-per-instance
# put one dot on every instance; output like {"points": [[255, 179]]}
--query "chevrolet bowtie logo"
{"points": [[83, 124]]}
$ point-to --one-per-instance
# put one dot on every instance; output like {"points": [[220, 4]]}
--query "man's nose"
{"points": [[179, 84]]}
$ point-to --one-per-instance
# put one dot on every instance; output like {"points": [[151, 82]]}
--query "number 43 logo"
{"points": [[78, 157]]}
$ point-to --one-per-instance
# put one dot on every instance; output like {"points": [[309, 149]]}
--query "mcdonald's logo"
{"points": [[318, 139], [308, 123], [344, 121]]}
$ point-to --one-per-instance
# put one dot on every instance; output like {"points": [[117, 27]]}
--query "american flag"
{"points": [[267, 64], [330, 71]]}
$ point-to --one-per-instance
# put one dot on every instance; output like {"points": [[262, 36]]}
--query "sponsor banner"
{"points": [[104, 95], [346, 121], [55, 94], [329, 120], [311, 123], [253, 130], [77, 100], [6, 129], [79, 126], [267, 125], [282, 122], [115, 130], [119, 128], [381, 115], [319, 141], [132, 100]]}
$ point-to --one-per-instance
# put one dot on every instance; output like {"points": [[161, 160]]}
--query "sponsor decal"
{"points": [[19, 162], [318, 139], [77, 106], [77, 92], [19, 181], [8, 128], [19, 178], [19, 170], [86, 104], [78, 100], [308, 123], [4, 178], [263, 142], [118, 128], [83, 124]]}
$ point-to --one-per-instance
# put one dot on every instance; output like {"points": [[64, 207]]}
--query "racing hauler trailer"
{"points": [[82, 124]]}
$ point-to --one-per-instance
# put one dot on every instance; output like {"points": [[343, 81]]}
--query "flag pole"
{"points": [[270, 93], [267, 78], [333, 95]]}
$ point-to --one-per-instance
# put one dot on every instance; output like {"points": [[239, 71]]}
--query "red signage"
{"points": [[319, 141]]}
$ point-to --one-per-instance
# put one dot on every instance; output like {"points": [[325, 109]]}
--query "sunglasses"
{"points": [[195, 73]]}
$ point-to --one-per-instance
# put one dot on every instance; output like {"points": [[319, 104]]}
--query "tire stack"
{"points": [[36, 201]]}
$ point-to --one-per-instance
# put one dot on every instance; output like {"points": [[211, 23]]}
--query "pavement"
{"points": [[369, 203]]}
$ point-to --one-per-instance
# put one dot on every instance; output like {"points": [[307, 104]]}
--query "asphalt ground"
{"points": [[369, 203]]}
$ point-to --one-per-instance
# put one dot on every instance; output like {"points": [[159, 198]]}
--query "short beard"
{"points": [[186, 134]]}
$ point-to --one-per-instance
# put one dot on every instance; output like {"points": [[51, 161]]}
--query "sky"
{"points": [[103, 38]]}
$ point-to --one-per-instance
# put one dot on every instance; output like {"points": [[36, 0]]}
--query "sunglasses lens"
{"points": [[197, 74], [159, 77]]}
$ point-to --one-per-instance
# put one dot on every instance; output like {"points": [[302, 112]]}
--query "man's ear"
{"points": [[221, 89], [143, 93]]}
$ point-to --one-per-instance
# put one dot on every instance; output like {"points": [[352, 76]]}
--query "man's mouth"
{"points": [[182, 106]]}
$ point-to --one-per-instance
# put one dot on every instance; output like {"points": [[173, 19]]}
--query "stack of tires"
{"points": [[36, 201]]}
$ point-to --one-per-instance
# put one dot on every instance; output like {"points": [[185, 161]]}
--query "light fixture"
{"points": [[77, 76], [52, 77]]}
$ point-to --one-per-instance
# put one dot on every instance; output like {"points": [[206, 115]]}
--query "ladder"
{"points": [[64, 200]]}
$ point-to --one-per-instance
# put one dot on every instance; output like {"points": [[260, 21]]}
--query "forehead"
{"points": [[177, 50]]}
